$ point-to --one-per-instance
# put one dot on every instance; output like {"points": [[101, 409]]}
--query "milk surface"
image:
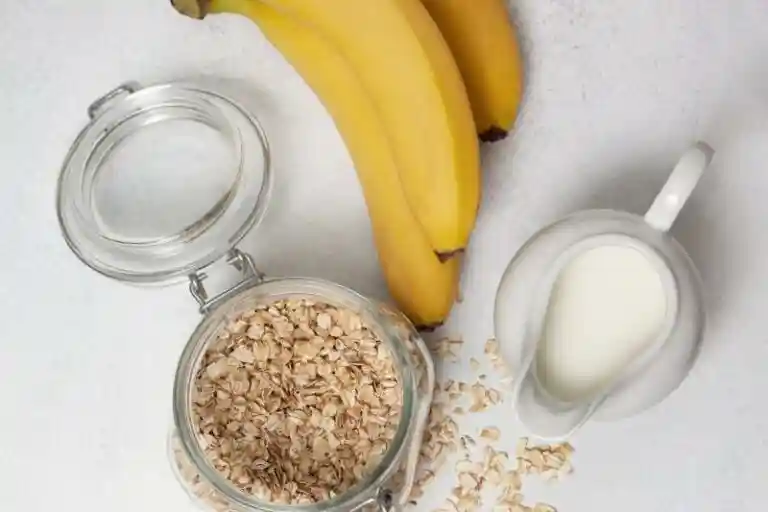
{"points": [[608, 304]]}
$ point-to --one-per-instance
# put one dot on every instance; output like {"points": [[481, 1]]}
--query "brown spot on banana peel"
{"points": [[445, 256], [196, 9], [493, 134]]}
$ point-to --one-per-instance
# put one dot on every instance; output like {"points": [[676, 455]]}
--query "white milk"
{"points": [[607, 306]]}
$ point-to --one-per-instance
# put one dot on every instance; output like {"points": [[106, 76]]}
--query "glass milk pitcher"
{"points": [[600, 314]]}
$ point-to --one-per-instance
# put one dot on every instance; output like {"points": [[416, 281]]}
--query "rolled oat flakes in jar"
{"points": [[301, 401]]}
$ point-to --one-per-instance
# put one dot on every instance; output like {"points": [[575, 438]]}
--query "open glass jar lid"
{"points": [[163, 181]]}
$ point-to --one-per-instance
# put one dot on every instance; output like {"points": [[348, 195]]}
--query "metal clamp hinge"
{"points": [[384, 501], [243, 263]]}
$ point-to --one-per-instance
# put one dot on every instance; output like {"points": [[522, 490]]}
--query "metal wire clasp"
{"points": [[384, 501], [243, 263]]}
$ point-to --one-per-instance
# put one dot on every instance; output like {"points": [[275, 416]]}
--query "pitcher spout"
{"points": [[546, 416]]}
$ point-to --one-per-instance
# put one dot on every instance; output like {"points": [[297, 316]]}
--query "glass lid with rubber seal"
{"points": [[163, 181]]}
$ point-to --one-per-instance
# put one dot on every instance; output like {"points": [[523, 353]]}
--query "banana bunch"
{"points": [[392, 82]]}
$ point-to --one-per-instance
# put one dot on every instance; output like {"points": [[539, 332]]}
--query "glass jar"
{"points": [[160, 186], [381, 486]]}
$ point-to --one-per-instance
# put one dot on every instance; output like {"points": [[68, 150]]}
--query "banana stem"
{"points": [[493, 134]]}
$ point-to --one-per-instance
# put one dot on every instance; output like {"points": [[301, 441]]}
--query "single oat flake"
{"points": [[490, 433], [445, 348]]}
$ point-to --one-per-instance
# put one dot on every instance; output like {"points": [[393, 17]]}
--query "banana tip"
{"points": [[445, 256], [429, 327], [493, 134], [193, 8]]}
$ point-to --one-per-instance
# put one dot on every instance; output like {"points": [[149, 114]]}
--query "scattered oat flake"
{"points": [[490, 433], [426, 478], [492, 346], [522, 446], [480, 397], [500, 459], [536, 458], [511, 497], [445, 348], [492, 477], [565, 448], [467, 481], [549, 475], [510, 507], [467, 466], [474, 364]]}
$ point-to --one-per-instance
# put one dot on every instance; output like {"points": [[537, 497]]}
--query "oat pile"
{"points": [[481, 471], [296, 401]]}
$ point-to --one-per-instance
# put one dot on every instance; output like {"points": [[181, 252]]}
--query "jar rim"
{"points": [[275, 290], [162, 243]]}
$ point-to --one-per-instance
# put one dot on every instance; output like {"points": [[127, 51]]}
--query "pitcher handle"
{"points": [[681, 182]]}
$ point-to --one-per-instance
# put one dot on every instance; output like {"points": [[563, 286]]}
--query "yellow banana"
{"points": [[485, 47], [422, 286], [407, 68]]}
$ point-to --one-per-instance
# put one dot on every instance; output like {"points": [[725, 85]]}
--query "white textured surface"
{"points": [[616, 90]]}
